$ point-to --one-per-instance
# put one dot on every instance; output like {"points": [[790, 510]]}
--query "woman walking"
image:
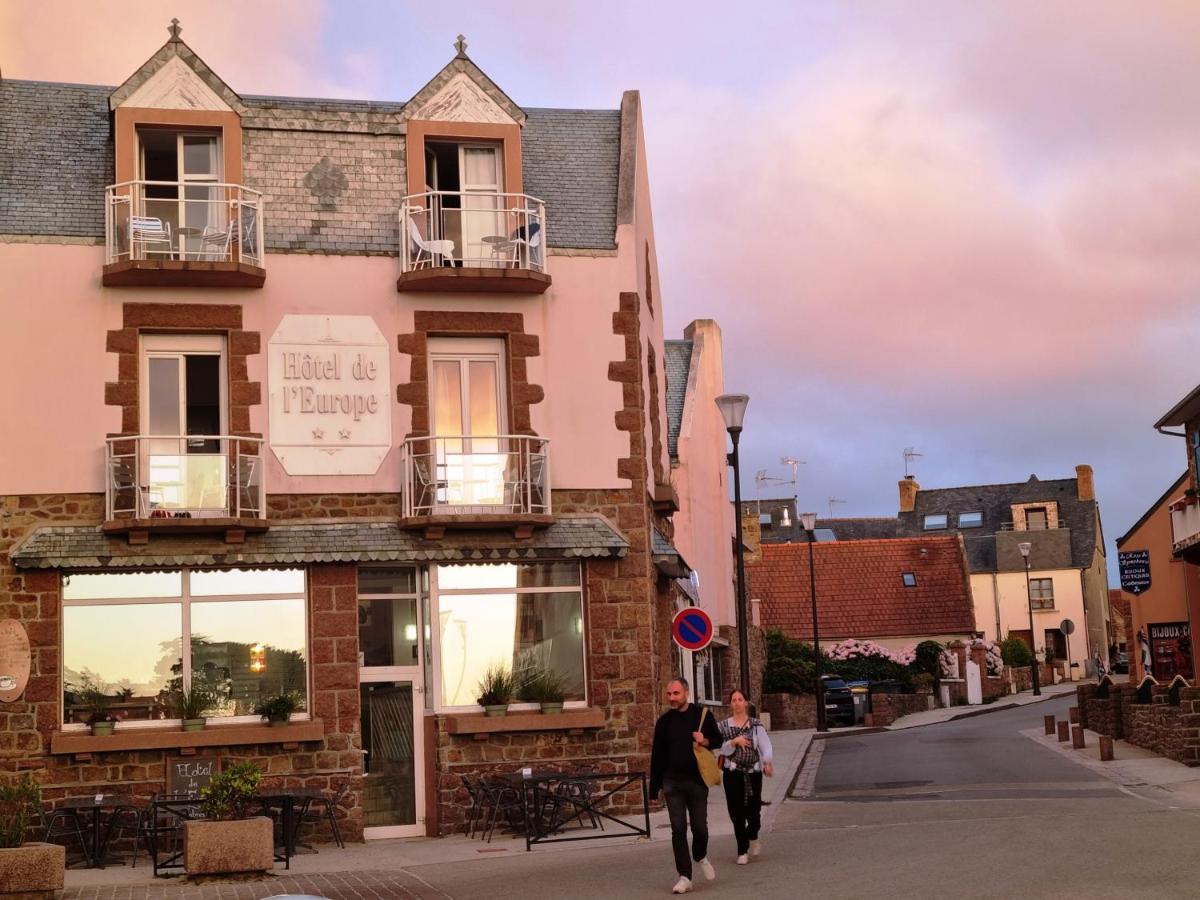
{"points": [[746, 756]]}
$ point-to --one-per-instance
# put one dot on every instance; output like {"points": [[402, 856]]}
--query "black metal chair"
{"points": [[129, 821], [479, 803], [503, 800], [324, 809], [63, 823]]}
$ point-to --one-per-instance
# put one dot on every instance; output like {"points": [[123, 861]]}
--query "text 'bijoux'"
{"points": [[329, 367]]}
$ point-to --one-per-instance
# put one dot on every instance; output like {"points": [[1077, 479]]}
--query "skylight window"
{"points": [[970, 520], [910, 579], [824, 535], [935, 521]]}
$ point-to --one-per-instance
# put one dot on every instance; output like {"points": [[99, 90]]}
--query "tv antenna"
{"points": [[761, 477], [910, 453], [833, 500]]}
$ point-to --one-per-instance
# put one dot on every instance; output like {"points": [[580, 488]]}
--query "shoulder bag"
{"points": [[706, 761]]}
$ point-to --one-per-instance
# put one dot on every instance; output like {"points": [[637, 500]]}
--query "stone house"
{"points": [[345, 400]]}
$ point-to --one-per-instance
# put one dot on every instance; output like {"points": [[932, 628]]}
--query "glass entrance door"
{"points": [[391, 694]]}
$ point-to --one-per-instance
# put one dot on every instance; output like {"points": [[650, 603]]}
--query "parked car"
{"points": [[839, 701]]}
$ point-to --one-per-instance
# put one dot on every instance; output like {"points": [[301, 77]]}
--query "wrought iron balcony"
{"points": [[476, 481], [473, 241], [1185, 527], [185, 483], [183, 234]]}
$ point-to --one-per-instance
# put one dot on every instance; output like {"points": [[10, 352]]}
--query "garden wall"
{"points": [[791, 711], [1158, 726], [887, 708]]}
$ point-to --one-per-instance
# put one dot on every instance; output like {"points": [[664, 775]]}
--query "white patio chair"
{"points": [[150, 233], [215, 243], [423, 251]]}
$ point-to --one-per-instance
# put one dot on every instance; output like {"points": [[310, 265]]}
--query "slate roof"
{"points": [[995, 502], [677, 363], [666, 557], [860, 590], [86, 547], [56, 157]]}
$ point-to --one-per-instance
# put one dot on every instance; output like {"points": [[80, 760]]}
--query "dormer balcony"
{"points": [[178, 484], [1185, 527], [476, 481], [473, 241], [183, 234]]}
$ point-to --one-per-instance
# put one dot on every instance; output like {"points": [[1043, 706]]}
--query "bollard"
{"points": [[1064, 731], [1049, 720], [1077, 737], [1106, 748], [1073, 714]]}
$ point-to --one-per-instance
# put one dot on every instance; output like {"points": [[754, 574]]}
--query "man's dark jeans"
{"points": [[687, 799]]}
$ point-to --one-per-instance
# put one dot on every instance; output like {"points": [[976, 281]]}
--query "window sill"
{"points": [[481, 725], [84, 743]]}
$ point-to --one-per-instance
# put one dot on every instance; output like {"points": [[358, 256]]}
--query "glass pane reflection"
{"points": [[389, 784], [248, 650], [122, 585], [387, 632], [131, 653], [216, 582]]}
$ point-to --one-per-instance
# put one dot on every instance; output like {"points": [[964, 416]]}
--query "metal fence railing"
{"points": [[472, 229], [475, 474]]}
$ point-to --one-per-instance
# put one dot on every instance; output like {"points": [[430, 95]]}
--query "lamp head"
{"points": [[808, 521], [1025, 547], [733, 410]]}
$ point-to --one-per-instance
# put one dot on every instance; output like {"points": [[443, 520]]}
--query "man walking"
{"points": [[674, 771]]}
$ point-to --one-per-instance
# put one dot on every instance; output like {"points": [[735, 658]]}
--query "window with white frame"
{"points": [[706, 676], [935, 521], [524, 616], [140, 638], [1041, 593]]}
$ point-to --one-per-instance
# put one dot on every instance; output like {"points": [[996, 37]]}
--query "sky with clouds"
{"points": [[971, 228]]}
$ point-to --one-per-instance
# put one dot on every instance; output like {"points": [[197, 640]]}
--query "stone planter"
{"points": [[498, 709], [32, 870], [217, 848], [552, 709], [193, 724]]}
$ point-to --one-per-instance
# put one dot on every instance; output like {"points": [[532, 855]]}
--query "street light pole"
{"points": [[1025, 547], [733, 410], [809, 522]]}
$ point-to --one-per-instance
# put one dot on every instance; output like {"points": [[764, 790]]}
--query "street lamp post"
{"points": [[808, 521], [733, 410], [1025, 547]]}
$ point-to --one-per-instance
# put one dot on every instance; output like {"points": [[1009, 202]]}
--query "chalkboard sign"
{"points": [[187, 776]]}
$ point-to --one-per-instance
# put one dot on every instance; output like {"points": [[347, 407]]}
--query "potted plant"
{"points": [[32, 869], [192, 703], [277, 710], [923, 682], [496, 689], [90, 696], [226, 840], [548, 688]]}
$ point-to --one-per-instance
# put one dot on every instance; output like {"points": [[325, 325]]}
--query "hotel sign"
{"points": [[329, 381]]}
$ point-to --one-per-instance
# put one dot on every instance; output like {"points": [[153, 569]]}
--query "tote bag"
{"points": [[710, 772]]}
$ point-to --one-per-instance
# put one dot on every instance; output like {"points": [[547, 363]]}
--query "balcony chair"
{"points": [[149, 233], [216, 244], [423, 251], [531, 255]]}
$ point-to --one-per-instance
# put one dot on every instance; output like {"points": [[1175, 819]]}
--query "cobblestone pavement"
{"points": [[377, 885]]}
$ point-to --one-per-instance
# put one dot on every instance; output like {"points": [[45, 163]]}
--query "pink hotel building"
{"points": [[346, 400]]}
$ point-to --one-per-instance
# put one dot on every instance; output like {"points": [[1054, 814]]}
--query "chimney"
{"points": [[1085, 483], [752, 538], [908, 493]]}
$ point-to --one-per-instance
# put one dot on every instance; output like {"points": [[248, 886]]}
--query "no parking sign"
{"points": [[692, 629]]}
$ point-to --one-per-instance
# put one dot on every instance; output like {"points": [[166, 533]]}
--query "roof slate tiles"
{"points": [[677, 363]]}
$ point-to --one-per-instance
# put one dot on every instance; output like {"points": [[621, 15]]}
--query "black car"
{"points": [[839, 701]]}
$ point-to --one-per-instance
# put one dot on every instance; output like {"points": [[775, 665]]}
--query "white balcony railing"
{"points": [[476, 475], [472, 230], [1185, 523], [194, 476], [196, 221]]}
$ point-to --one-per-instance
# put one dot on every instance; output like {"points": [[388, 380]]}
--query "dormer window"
{"points": [[181, 172], [970, 520], [1036, 518], [935, 522]]}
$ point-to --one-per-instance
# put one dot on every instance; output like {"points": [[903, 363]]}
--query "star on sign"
{"points": [[344, 434], [318, 434]]}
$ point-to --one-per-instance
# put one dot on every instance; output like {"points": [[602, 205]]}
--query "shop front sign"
{"points": [[329, 381]]}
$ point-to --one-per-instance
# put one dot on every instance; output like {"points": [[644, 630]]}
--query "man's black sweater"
{"points": [[672, 757]]}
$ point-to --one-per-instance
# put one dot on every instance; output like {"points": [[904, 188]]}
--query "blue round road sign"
{"points": [[692, 628]]}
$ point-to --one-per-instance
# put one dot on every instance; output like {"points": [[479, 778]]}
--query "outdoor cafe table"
{"points": [[95, 804], [288, 799], [538, 786]]}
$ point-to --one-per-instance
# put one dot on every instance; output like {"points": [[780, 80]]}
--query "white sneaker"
{"points": [[707, 868], [755, 848], [682, 886], [743, 859]]}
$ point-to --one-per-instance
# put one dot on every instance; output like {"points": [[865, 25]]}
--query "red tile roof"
{"points": [[860, 588]]}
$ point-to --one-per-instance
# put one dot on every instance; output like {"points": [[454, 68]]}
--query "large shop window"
{"points": [[140, 638], [520, 616]]}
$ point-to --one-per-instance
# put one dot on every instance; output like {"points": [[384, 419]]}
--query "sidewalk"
{"points": [[391, 856], [950, 713]]}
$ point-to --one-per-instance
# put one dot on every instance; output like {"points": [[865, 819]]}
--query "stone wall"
{"points": [[731, 673], [790, 711], [1104, 715], [1158, 726], [887, 708]]}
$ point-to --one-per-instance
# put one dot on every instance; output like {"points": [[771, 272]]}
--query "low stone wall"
{"points": [[1022, 676], [1103, 715], [887, 708], [791, 711], [1158, 726]]}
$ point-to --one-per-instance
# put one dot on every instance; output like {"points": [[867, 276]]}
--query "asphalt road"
{"points": [[961, 809]]}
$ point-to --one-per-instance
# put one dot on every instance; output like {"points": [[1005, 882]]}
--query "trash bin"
{"points": [[859, 691]]}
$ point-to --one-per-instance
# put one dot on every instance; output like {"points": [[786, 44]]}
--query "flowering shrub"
{"points": [[949, 664], [851, 647], [995, 656], [857, 660]]}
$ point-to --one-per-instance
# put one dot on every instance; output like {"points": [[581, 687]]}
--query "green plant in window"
{"points": [[19, 799], [96, 702], [192, 703], [228, 794], [278, 709], [547, 687], [497, 686]]}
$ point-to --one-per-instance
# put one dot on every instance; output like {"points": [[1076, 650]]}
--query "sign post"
{"points": [[1067, 627]]}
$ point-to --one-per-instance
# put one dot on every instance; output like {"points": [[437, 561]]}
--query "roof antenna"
{"points": [[910, 453], [174, 29], [460, 45], [833, 500]]}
